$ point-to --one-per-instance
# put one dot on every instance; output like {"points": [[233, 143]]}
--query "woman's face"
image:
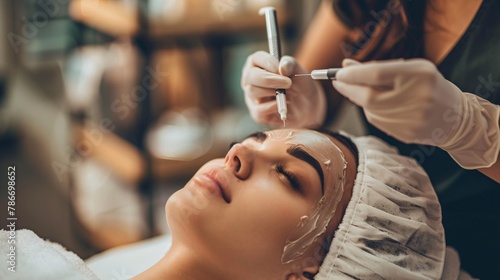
{"points": [[240, 210]]}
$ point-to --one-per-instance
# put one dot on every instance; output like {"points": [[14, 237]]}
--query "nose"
{"points": [[239, 161]]}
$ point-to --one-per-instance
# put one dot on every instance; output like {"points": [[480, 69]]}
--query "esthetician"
{"points": [[426, 75]]}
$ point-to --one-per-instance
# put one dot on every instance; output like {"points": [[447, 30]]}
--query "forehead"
{"points": [[309, 138], [319, 145]]}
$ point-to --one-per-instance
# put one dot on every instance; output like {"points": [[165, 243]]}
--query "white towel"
{"points": [[127, 261], [38, 259]]}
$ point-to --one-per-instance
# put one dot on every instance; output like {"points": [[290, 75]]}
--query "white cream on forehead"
{"points": [[316, 143], [310, 227]]}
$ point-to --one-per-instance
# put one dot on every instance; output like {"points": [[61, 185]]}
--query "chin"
{"points": [[180, 214], [171, 210], [184, 213]]}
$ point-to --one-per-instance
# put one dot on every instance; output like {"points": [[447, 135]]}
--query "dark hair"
{"points": [[385, 28], [344, 140]]}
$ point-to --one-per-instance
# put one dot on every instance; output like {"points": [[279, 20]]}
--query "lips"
{"points": [[221, 180]]}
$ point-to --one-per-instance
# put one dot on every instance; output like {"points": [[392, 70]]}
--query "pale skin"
{"points": [[237, 228], [445, 23]]}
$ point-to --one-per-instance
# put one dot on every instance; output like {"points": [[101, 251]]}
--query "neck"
{"points": [[180, 263]]}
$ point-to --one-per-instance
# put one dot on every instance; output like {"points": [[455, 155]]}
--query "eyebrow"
{"points": [[297, 152]]}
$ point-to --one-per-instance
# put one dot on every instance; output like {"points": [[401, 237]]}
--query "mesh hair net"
{"points": [[392, 225]]}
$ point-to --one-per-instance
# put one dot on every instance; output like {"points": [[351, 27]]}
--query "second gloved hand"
{"points": [[413, 102], [262, 74]]}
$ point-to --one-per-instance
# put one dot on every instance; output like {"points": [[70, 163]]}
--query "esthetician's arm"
{"points": [[321, 48], [411, 101]]}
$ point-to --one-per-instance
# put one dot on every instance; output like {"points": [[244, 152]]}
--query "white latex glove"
{"points": [[411, 101], [262, 74]]}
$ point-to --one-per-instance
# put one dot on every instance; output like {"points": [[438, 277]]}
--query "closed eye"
{"points": [[292, 179]]}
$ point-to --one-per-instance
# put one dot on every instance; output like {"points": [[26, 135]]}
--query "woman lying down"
{"points": [[302, 204]]}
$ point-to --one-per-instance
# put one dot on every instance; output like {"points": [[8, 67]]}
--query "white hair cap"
{"points": [[392, 225]]}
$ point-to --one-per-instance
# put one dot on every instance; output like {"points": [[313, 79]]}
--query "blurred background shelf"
{"points": [[91, 91]]}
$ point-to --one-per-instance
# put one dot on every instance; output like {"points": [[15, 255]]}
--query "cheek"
{"points": [[273, 207], [261, 221], [270, 211]]}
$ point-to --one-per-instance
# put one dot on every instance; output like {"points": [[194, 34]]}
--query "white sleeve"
{"points": [[35, 258], [125, 262]]}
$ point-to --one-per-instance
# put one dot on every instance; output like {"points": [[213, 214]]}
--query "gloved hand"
{"points": [[411, 101], [262, 74]]}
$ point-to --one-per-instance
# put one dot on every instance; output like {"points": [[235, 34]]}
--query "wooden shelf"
{"points": [[201, 24]]}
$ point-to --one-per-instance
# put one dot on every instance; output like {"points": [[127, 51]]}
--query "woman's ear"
{"points": [[306, 273]]}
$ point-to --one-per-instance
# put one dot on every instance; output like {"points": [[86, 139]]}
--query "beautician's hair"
{"points": [[404, 27]]}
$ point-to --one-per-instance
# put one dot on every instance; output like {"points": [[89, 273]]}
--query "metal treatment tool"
{"points": [[275, 50], [322, 74]]}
